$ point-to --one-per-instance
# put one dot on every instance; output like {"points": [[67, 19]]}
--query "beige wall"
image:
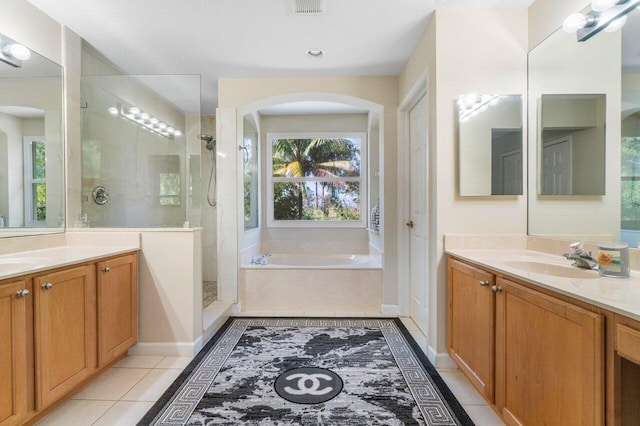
{"points": [[466, 61]]}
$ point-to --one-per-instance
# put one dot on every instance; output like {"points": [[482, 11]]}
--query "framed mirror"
{"points": [[31, 142], [490, 145]]}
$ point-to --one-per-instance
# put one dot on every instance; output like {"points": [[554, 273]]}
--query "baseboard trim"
{"points": [[167, 348], [441, 360], [390, 310]]}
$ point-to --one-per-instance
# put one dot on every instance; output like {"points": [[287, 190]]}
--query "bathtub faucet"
{"points": [[260, 260]]}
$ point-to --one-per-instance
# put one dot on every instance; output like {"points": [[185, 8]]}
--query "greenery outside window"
{"points": [[316, 179], [630, 185], [35, 187]]}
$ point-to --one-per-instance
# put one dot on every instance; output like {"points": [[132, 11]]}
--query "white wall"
{"points": [[458, 62]]}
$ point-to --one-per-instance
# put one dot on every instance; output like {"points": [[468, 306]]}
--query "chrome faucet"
{"points": [[581, 258], [260, 260]]}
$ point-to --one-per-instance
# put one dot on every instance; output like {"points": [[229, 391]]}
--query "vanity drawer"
{"points": [[628, 342]]}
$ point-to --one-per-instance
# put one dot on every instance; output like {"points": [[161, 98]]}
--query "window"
{"points": [[35, 187], [316, 179], [630, 183]]}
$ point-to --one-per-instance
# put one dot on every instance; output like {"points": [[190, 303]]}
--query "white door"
{"points": [[556, 167], [512, 173], [419, 205]]}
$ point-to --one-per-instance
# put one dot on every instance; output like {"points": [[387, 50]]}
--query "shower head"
{"points": [[211, 142]]}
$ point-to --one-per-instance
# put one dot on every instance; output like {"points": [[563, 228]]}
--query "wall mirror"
{"points": [[569, 82], [572, 144], [31, 142], [490, 148]]}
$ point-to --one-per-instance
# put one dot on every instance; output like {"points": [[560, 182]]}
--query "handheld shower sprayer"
{"points": [[210, 141], [211, 146]]}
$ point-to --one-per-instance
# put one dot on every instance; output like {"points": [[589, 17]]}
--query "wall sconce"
{"points": [[13, 53], [607, 15], [146, 121], [471, 104]]}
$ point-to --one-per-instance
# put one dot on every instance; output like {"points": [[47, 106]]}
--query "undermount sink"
{"points": [[21, 263], [552, 270]]}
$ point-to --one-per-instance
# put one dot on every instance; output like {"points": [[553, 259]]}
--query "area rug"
{"points": [[300, 371]]}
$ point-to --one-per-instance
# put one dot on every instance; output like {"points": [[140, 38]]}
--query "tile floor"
{"points": [[124, 393]]}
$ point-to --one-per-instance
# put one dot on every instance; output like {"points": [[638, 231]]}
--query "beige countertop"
{"points": [[28, 262], [555, 273]]}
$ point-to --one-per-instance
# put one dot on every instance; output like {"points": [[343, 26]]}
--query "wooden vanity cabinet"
{"points": [[549, 359], [15, 300], [59, 328], [65, 331], [117, 307], [471, 331], [537, 358]]}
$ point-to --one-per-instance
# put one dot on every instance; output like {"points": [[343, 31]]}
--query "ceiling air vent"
{"points": [[307, 7]]}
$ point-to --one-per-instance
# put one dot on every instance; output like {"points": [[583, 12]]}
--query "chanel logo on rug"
{"points": [[309, 385]]}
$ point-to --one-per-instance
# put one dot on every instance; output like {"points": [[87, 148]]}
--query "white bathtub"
{"points": [[312, 261], [302, 283]]}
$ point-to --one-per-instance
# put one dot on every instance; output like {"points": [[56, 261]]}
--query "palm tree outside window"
{"points": [[317, 179]]}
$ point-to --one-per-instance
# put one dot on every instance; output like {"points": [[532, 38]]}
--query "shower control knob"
{"points": [[106, 269], [46, 286], [410, 224]]}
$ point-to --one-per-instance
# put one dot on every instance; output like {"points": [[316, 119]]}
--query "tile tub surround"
{"points": [[310, 290]]}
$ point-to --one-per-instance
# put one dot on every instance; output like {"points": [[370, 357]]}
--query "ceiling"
{"points": [[252, 38]]}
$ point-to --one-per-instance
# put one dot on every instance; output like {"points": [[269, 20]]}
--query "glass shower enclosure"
{"points": [[141, 156]]}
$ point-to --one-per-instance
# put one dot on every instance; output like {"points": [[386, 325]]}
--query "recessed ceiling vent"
{"points": [[308, 7]]}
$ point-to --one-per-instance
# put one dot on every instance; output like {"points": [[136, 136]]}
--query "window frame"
{"points": [[29, 181], [362, 180]]}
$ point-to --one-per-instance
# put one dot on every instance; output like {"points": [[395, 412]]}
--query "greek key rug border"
{"points": [[430, 401]]}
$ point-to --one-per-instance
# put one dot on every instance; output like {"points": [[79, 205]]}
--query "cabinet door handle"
{"points": [[106, 269], [22, 293], [496, 289], [46, 286], [484, 283]]}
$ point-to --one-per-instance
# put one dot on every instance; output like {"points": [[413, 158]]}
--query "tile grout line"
{"points": [[106, 411]]}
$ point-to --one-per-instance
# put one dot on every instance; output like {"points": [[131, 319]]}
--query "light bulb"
{"points": [[154, 120], [145, 116], [574, 22], [134, 110], [162, 126], [602, 5], [18, 51], [615, 25], [113, 111], [177, 133], [470, 99], [170, 129]]}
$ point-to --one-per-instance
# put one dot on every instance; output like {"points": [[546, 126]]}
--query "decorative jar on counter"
{"points": [[613, 260]]}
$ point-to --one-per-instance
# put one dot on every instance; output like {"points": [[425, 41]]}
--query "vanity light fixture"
{"points": [[608, 15], [146, 121], [13, 53], [472, 104]]}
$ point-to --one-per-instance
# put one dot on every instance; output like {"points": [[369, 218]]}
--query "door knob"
{"points": [[106, 269], [496, 289], [484, 283], [410, 224], [46, 286], [22, 293]]}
